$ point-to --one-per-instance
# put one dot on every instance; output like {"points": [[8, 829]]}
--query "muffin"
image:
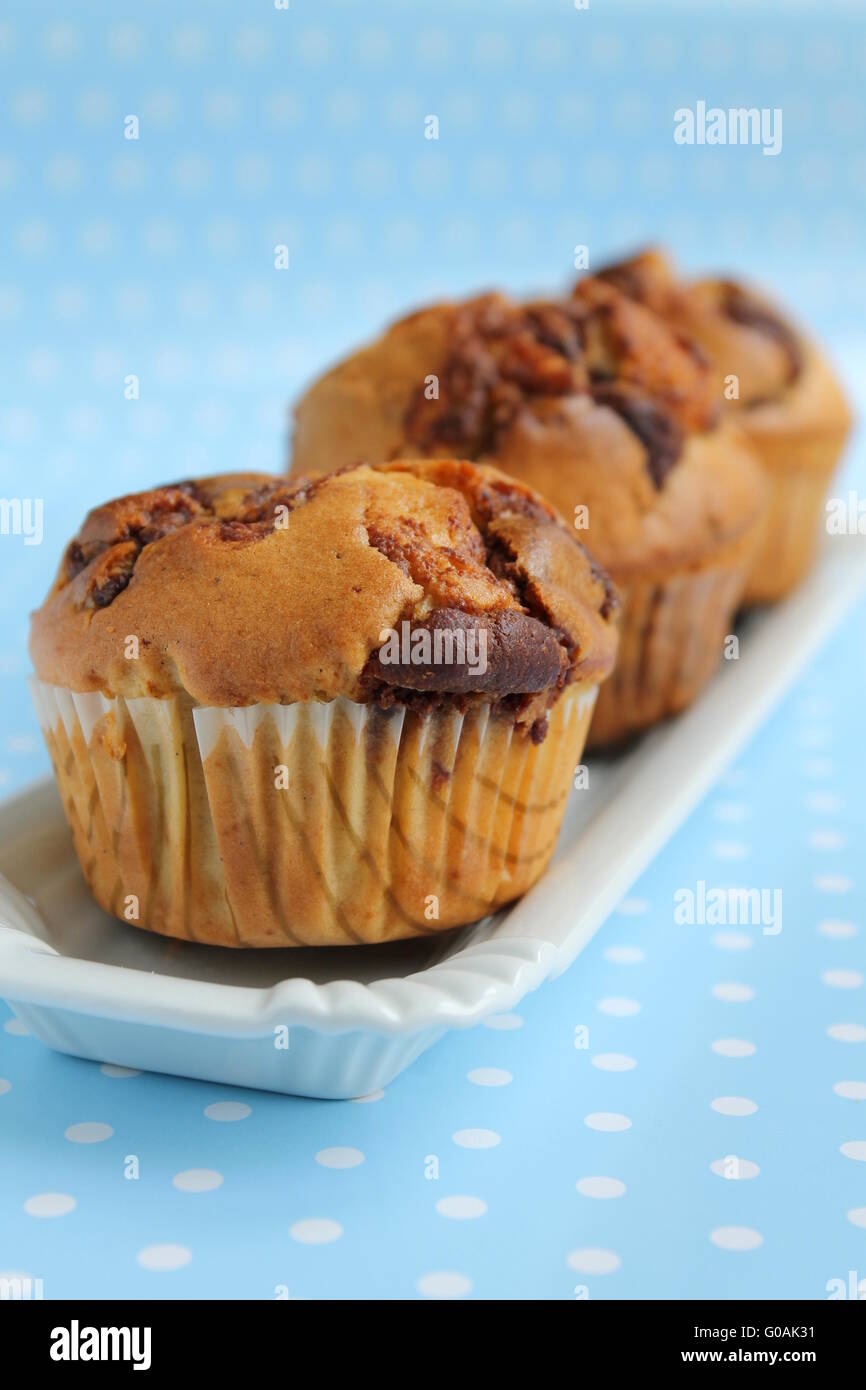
{"points": [[601, 407], [782, 392], [322, 712]]}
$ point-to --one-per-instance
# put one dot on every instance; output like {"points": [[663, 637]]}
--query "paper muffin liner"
{"points": [[307, 824], [796, 506], [798, 448], [790, 536], [672, 634]]}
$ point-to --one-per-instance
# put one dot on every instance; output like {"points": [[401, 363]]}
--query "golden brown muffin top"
{"points": [[594, 400], [741, 333], [504, 358], [247, 588]]}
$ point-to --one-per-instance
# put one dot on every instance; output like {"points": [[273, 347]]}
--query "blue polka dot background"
{"points": [[684, 1112]]}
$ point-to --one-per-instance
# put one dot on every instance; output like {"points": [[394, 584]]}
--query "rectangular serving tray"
{"points": [[354, 1018]]}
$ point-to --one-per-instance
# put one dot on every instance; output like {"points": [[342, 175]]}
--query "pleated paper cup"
{"points": [[307, 824], [798, 442], [671, 641]]}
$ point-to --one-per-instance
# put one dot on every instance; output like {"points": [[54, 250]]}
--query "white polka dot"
{"points": [[339, 1158], [814, 738], [732, 812], [16, 1028], [227, 1110], [161, 1258], [736, 1238], [624, 955], [607, 1121], [10, 303], [42, 365], [820, 767], [842, 979], [828, 840], [591, 1260], [618, 1007], [251, 45], [734, 777], [88, 1132], [633, 907], [824, 803], [857, 1216], [847, 1032], [197, 1180], [734, 1047], [369, 1099], [316, 1230], [730, 849], [189, 44], [221, 109], [814, 706], [854, 1148], [503, 1023], [732, 941], [19, 425], [489, 1076], [4, 1086], [733, 1105], [731, 992], [602, 1188], [61, 41], [125, 41], [837, 930], [476, 1138], [461, 1208], [614, 1061], [734, 1169], [444, 1283], [29, 106], [833, 883], [49, 1204], [851, 1090], [70, 301]]}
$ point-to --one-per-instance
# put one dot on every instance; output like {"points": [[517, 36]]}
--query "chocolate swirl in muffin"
{"points": [[648, 279], [440, 548], [504, 357], [744, 308]]}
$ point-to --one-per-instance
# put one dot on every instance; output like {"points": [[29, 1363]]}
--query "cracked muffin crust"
{"points": [[593, 400], [738, 330], [503, 359], [252, 588], [778, 387], [607, 410], [239, 763]]}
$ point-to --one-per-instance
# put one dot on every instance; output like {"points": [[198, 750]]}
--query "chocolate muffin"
{"points": [[610, 414], [780, 389], [347, 710]]}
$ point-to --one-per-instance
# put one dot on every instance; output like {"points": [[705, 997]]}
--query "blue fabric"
{"points": [[155, 258]]}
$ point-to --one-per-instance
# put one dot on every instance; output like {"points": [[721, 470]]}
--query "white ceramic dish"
{"points": [[354, 1018]]}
